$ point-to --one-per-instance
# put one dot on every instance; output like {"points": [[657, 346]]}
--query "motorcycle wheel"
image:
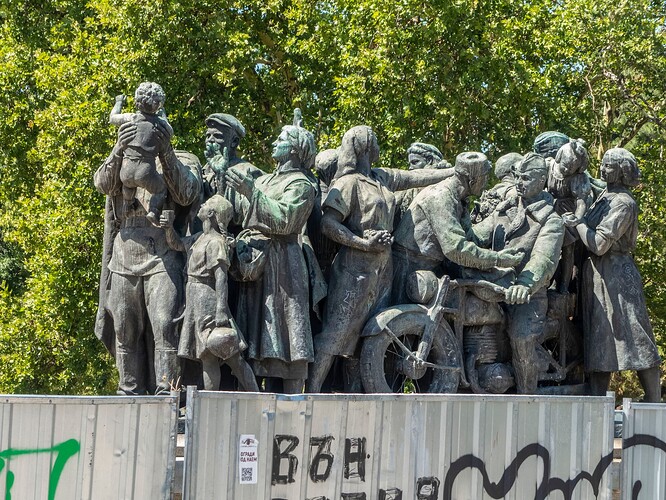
{"points": [[383, 361]]}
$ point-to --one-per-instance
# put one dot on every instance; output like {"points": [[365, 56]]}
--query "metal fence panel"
{"points": [[357, 447], [644, 451], [97, 448]]}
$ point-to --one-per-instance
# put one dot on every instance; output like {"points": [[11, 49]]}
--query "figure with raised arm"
{"points": [[358, 214], [141, 286]]}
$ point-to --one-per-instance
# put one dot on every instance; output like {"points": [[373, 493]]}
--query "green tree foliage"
{"points": [[462, 75]]}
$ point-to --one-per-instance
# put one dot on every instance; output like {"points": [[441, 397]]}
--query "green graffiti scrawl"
{"points": [[65, 451]]}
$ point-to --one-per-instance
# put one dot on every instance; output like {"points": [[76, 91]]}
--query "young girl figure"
{"points": [[209, 333]]}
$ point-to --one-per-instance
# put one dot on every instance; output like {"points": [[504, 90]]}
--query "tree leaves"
{"points": [[462, 75]]}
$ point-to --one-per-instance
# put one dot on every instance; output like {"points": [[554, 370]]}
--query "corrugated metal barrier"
{"points": [[97, 448], [644, 451], [265, 446]]}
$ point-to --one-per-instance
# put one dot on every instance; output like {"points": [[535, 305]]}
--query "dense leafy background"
{"points": [[463, 75]]}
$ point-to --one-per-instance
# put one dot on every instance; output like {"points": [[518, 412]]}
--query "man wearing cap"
{"points": [[223, 135], [433, 234], [526, 221]]}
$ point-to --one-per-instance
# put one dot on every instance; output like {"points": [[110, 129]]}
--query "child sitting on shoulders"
{"points": [[138, 168]]}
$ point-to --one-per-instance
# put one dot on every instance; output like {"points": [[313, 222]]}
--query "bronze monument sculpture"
{"points": [[287, 271]]}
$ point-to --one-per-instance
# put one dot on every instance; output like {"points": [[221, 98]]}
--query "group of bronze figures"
{"points": [[329, 274]]}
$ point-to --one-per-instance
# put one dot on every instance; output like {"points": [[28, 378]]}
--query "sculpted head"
{"points": [[530, 175], [359, 150], [572, 158], [223, 131], [149, 97], [474, 168], [549, 143], [217, 209], [295, 142], [504, 165], [619, 166], [326, 165], [422, 155]]}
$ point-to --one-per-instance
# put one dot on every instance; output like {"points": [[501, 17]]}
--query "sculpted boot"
{"points": [[167, 370], [128, 380], [525, 365]]}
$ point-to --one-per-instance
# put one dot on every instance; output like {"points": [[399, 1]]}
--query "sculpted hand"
{"points": [[167, 218], [221, 319], [243, 184], [126, 134], [517, 294], [377, 241], [510, 257], [443, 164], [121, 98], [212, 150], [570, 219], [162, 134], [219, 163]]}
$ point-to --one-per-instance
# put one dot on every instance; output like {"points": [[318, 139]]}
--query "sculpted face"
{"points": [[282, 147], [529, 183], [416, 161], [610, 172], [205, 211], [217, 138]]}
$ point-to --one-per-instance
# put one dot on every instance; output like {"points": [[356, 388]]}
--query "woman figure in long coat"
{"points": [[616, 326], [358, 214], [273, 311]]}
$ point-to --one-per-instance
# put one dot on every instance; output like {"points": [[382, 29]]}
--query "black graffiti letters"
{"points": [[390, 494], [428, 488], [280, 454], [355, 457], [321, 447]]}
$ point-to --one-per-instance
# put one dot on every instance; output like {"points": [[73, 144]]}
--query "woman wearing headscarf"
{"points": [[616, 326], [420, 156], [358, 214], [273, 310]]}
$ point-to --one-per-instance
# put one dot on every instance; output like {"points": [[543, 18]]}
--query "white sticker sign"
{"points": [[248, 458]]}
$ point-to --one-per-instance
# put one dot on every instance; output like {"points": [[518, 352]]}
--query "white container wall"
{"points": [[66, 448], [644, 451], [267, 447]]}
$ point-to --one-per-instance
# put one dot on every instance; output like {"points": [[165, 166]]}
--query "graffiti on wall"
{"points": [[286, 464], [63, 452], [642, 440]]}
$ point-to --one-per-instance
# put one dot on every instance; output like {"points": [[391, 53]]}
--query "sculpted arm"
{"points": [[222, 294], [544, 256], [107, 176], [334, 229], [455, 242], [614, 225], [399, 180], [183, 181]]}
